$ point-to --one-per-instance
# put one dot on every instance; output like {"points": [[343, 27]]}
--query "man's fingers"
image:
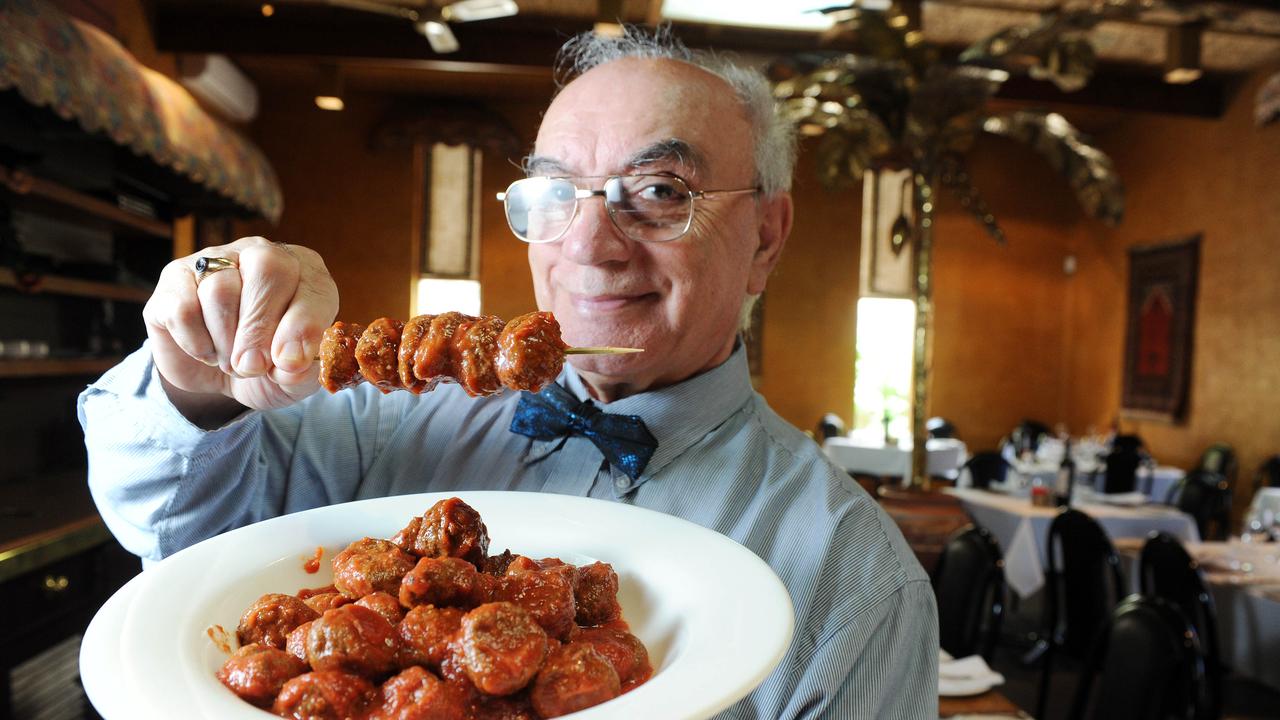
{"points": [[312, 310], [269, 276], [219, 295], [173, 315]]}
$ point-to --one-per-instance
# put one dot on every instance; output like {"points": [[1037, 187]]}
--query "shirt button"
{"points": [[620, 483]]}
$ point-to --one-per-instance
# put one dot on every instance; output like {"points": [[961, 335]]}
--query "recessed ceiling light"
{"points": [[796, 15]]}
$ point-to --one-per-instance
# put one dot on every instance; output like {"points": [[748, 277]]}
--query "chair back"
{"points": [[1026, 436], [1220, 458], [1082, 587], [1268, 474], [1084, 581], [1206, 496], [969, 584], [985, 468], [1147, 663], [830, 426], [1167, 571], [940, 427], [1122, 469]]}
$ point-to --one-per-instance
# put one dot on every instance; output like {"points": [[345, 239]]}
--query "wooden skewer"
{"points": [[598, 350], [601, 350]]}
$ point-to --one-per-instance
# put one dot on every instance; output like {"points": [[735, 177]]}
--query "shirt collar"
{"points": [[680, 415]]}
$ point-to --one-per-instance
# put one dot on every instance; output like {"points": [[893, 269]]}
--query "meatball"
{"points": [[353, 639], [416, 694], [377, 353], [385, 605], [510, 707], [323, 602], [324, 695], [441, 582], [629, 657], [296, 644], [270, 619], [450, 528], [595, 594], [547, 594], [425, 634], [574, 677], [502, 647], [257, 672], [370, 565]]}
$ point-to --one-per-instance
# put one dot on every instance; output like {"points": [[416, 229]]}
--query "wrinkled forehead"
{"points": [[638, 114]]}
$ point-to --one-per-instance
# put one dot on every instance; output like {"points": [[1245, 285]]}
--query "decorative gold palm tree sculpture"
{"points": [[894, 103]]}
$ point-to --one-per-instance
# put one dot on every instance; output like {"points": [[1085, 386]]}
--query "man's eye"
{"points": [[659, 192]]}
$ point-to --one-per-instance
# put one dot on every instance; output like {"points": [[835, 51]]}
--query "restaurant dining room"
{"points": [[277, 278]]}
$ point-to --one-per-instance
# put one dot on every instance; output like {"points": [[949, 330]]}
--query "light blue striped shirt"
{"points": [[866, 641]]}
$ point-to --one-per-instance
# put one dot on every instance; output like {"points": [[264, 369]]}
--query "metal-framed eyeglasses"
{"points": [[646, 208]]}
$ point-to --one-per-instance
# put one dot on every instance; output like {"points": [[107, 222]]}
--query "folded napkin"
{"points": [[965, 676]]}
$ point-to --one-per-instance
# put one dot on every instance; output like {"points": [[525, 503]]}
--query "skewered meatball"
{"points": [[257, 672], [353, 639], [370, 565], [440, 581], [595, 593], [324, 695], [377, 352], [338, 366], [416, 694], [574, 677], [425, 634], [431, 360], [475, 348], [530, 351], [546, 593], [410, 338], [270, 619], [385, 605], [502, 647], [450, 528], [625, 651]]}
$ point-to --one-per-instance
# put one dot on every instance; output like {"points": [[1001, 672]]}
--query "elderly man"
{"points": [[214, 423]]}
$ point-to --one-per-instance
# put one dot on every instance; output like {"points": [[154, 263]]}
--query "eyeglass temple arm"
{"points": [[578, 194], [709, 194]]}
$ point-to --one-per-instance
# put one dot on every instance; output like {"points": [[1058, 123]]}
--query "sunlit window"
{"points": [[436, 296], [882, 383]]}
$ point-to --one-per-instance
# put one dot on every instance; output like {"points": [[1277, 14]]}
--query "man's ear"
{"points": [[774, 228]]}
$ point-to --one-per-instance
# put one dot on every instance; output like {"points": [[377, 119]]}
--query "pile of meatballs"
{"points": [[429, 626]]}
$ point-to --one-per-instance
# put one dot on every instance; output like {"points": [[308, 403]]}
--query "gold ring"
{"points": [[206, 266]]}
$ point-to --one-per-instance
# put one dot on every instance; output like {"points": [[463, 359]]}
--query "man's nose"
{"points": [[593, 238]]}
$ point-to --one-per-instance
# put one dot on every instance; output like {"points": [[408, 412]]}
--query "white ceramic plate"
{"points": [[100, 655], [715, 618]]}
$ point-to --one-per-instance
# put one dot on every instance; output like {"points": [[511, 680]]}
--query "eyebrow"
{"points": [[668, 150]]}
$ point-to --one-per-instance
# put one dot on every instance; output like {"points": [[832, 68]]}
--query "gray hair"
{"points": [[774, 137]]}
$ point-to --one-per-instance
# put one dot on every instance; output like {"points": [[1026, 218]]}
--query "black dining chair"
{"points": [[1205, 496], [830, 426], [1165, 570], [1121, 469], [986, 467], [1220, 457], [1147, 664], [1268, 474], [1083, 584], [940, 427], [969, 584]]}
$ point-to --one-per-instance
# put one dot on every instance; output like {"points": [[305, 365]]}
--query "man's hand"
{"points": [[242, 336]]}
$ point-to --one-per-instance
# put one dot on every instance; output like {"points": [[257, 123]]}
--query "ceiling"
{"points": [[512, 56]]}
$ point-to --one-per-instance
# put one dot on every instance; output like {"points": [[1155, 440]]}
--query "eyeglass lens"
{"points": [[647, 208]]}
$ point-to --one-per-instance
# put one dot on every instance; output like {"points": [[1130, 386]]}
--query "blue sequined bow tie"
{"points": [[623, 439]]}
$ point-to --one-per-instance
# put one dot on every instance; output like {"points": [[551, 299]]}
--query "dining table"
{"points": [[944, 456], [987, 704], [1244, 580], [1022, 528]]}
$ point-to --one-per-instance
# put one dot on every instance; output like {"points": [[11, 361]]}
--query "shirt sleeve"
{"points": [[162, 483]]}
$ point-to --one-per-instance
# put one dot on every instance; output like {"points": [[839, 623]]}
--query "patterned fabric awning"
{"points": [[83, 74]]}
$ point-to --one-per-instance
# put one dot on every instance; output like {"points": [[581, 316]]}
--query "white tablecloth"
{"points": [[1247, 603], [944, 458], [1022, 529]]}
